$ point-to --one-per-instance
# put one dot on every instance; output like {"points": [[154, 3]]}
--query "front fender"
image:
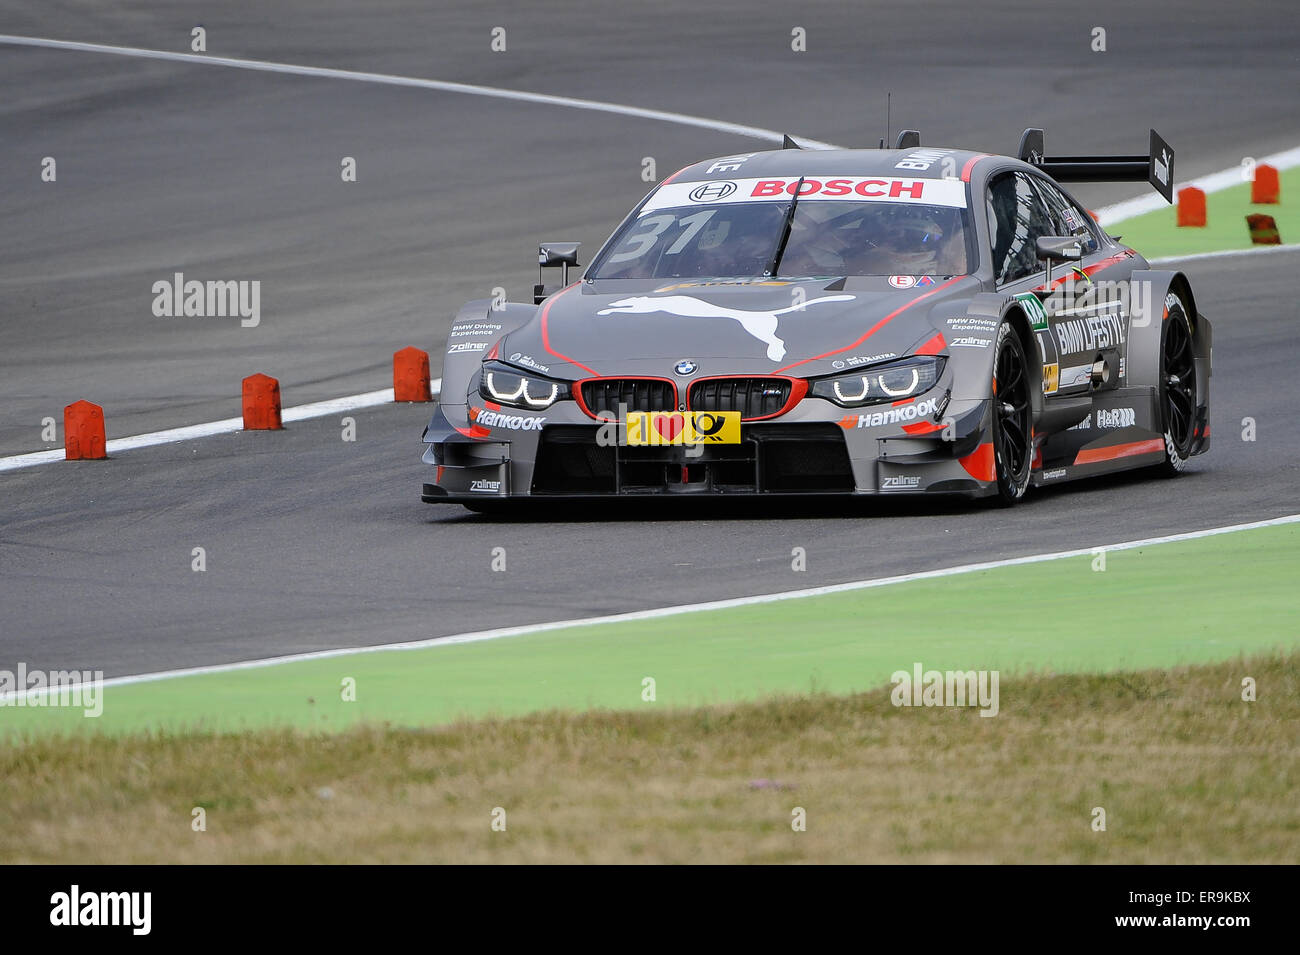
{"points": [[475, 329], [971, 337]]}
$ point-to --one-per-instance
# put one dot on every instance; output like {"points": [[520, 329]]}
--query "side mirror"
{"points": [[552, 255], [1057, 248]]}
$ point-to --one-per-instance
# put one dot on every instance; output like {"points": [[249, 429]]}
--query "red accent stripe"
{"points": [[1132, 448], [980, 464], [546, 338], [876, 327], [922, 427], [1090, 270], [933, 346], [967, 169], [674, 176], [473, 432], [476, 430]]}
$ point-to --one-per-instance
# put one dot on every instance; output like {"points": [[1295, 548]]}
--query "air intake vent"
{"points": [[603, 396], [752, 397]]}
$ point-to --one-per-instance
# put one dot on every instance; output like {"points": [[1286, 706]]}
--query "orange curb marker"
{"points": [[261, 403], [1263, 229], [83, 430], [411, 375], [1191, 206], [1266, 189]]}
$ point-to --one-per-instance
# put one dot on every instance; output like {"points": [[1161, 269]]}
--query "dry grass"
{"points": [[1186, 771]]}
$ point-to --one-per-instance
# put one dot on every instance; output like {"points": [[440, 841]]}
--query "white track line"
{"points": [[484, 635], [663, 116], [1224, 253], [1214, 182], [317, 409]]}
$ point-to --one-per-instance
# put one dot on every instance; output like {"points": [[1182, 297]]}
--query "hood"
{"points": [[629, 327]]}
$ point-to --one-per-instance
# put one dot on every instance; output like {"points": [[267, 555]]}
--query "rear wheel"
{"points": [[1012, 416], [1177, 386]]}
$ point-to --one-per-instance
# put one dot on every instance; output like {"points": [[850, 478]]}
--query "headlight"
{"points": [[507, 385], [891, 382]]}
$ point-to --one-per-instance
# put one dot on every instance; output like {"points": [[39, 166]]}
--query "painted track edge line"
{"points": [[389, 79], [1224, 253], [208, 429], [638, 615]]}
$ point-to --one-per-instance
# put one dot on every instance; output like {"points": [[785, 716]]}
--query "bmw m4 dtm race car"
{"points": [[912, 320]]}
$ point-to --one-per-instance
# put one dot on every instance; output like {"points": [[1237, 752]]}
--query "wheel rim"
{"points": [[1011, 402], [1180, 382]]}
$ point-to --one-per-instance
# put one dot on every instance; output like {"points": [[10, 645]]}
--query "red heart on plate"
{"points": [[670, 426]]}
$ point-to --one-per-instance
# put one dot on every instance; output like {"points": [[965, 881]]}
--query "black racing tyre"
{"points": [[1177, 391], [1012, 416]]}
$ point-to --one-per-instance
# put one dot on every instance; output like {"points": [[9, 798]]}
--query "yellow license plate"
{"points": [[683, 427]]}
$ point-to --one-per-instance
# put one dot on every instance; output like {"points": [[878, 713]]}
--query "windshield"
{"points": [[827, 238]]}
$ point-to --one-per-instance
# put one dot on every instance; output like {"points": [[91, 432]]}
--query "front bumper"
{"points": [[801, 455]]}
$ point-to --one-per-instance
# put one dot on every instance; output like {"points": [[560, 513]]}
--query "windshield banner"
{"points": [[933, 192]]}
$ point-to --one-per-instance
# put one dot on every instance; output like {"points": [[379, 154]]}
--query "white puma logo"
{"points": [[762, 325]]}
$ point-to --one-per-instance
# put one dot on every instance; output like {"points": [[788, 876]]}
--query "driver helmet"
{"points": [[817, 239], [914, 239]]}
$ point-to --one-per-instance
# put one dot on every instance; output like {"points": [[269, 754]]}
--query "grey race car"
{"points": [[850, 322]]}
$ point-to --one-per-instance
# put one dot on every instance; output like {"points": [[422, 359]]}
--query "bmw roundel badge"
{"points": [[685, 367]]}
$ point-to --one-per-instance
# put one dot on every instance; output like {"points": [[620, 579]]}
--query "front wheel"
{"points": [[1013, 433]]}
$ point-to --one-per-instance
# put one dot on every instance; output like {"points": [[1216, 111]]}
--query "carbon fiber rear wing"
{"points": [[1157, 167]]}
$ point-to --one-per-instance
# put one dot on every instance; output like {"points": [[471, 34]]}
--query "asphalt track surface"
{"points": [[313, 542]]}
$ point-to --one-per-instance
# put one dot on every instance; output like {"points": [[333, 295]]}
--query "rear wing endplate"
{"points": [[1156, 167]]}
